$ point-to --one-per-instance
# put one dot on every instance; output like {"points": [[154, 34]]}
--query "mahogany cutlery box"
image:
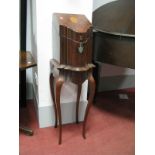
{"points": [[72, 40]]}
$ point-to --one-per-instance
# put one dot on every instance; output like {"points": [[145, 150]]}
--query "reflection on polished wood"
{"points": [[26, 60]]}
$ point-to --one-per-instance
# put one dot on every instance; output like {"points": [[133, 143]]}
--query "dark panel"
{"points": [[22, 74], [23, 12], [114, 41], [117, 16], [116, 50]]}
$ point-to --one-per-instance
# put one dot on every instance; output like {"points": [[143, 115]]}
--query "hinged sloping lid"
{"points": [[76, 22]]}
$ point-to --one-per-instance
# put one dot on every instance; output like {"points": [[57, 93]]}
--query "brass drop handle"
{"points": [[81, 47]]}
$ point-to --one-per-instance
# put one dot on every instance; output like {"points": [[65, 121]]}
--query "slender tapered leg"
{"points": [[92, 85], [77, 102], [96, 71], [53, 97], [59, 83]]}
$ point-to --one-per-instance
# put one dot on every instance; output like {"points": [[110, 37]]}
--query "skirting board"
{"points": [[68, 111], [116, 82], [46, 115]]}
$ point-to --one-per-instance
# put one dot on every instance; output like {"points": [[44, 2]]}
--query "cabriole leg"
{"points": [[92, 85], [59, 83], [53, 97]]}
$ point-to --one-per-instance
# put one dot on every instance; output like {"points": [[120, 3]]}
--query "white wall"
{"points": [[31, 45], [44, 11], [41, 46], [98, 3]]}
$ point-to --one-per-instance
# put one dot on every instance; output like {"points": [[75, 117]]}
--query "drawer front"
{"points": [[114, 50]]}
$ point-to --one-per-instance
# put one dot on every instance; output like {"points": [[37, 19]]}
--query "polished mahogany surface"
{"points": [[26, 60], [75, 32], [75, 22]]}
